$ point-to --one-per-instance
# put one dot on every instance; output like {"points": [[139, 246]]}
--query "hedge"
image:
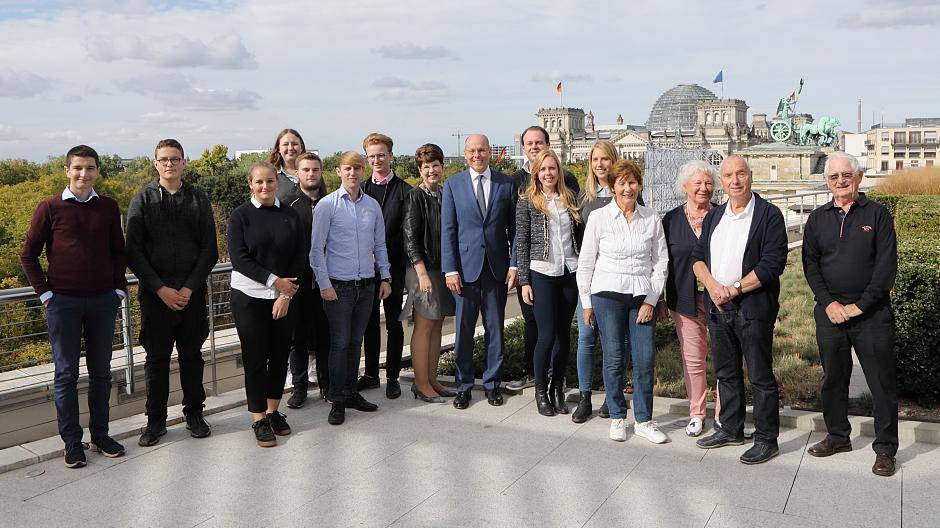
{"points": [[916, 294]]}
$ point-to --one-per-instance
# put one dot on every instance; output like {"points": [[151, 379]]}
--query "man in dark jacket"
{"points": [[739, 258], [389, 190], [534, 140], [313, 328], [171, 247]]}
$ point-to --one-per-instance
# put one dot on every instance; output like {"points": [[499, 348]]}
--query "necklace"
{"points": [[694, 221]]}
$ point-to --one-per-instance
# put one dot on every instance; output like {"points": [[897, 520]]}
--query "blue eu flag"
{"points": [[719, 78]]}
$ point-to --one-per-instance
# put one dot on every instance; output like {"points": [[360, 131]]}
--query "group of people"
{"points": [[310, 268]]}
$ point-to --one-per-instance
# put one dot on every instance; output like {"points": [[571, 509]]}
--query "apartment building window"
{"points": [[930, 154], [884, 136], [900, 137], [884, 149], [915, 138], [915, 154], [899, 153], [898, 165], [884, 166], [929, 163], [930, 136]]}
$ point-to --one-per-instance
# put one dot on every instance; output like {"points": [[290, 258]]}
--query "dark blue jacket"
{"points": [[765, 254]]}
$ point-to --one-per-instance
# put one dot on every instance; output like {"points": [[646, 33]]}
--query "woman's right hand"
{"points": [[587, 314], [287, 286], [281, 305], [527, 295], [424, 283]]}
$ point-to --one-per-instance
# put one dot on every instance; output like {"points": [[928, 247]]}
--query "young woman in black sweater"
{"points": [[266, 247]]}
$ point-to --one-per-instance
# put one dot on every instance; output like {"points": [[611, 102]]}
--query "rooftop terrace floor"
{"points": [[415, 464]]}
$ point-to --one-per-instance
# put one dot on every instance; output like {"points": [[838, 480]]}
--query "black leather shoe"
{"points": [[584, 409], [297, 398], [494, 398], [462, 400], [561, 407], [367, 382], [828, 448], [392, 389], [542, 402], [719, 439], [278, 422], [337, 414], [264, 436], [150, 434], [759, 453], [603, 412], [360, 404], [197, 426]]}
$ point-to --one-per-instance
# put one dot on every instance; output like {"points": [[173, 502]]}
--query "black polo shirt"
{"points": [[851, 257]]}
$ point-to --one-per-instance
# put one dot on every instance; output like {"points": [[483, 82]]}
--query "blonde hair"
{"points": [[591, 183], [534, 190], [351, 158]]}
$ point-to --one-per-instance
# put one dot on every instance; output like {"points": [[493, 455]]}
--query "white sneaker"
{"points": [[618, 430], [650, 431], [695, 427]]}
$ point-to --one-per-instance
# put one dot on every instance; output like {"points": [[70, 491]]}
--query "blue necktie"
{"points": [[481, 199]]}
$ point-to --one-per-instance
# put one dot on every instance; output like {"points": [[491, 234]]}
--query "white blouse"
{"points": [[623, 256], [560, 247]]}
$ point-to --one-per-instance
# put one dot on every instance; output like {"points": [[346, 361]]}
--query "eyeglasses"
{"points": [[168, 161], [373, 157], [840, 175]]}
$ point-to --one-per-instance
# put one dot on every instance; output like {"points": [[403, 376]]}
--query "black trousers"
{"points": [[160, 329], [872, 336], [372, 340], [530, 335], [265, 346], [554, 304], [734, 338], [311, 333]]}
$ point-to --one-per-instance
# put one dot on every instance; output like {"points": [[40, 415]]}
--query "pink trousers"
{"points": [[693, 336]]}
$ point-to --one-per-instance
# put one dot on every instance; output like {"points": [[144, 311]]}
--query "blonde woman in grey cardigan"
{"points": [[547, 256]]}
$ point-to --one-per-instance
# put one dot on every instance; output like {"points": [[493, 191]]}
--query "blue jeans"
{"points": [[348, 316], [69, 318], [587, 342], [616, 321]]}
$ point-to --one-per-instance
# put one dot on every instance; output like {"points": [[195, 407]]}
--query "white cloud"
{"points": [[181, 92], [411, 51], [8, 133], [398, 90], [894, 14], [226, 52], [22, 84]]}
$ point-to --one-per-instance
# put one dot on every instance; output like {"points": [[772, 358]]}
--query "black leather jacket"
{"points": [[422, 228]]}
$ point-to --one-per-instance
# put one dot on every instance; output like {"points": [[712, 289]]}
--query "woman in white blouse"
{"points": [[621, 274], [547, 257]]}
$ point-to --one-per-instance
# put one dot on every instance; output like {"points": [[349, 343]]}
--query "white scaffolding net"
{"points": [[659, 177]]}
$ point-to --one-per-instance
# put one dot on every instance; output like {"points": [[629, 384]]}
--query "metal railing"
{"points": [[26, 354]]}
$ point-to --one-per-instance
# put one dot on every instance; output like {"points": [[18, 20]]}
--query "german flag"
{"points": [[558, 88]]}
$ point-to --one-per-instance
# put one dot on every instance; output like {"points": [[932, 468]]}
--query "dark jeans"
{"points": [[872, 336], [734, 338], [265, 344], [312, 331], [160, 328], [396, 333], [487, 295], [616, 315], [530, 335], [348, 316], [69, 319], [554, 301]]}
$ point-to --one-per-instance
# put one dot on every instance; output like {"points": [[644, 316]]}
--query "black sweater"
{"points": [[391, 198], [265, 240], [851, 258], [171, 237]]}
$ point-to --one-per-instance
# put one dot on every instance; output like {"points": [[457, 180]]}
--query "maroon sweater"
{"points": [[84, 246]]}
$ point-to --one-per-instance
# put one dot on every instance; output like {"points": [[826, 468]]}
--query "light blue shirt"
{"points": [[347, 241]]}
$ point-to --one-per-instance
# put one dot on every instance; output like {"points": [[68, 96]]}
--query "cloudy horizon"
{"points": [[120, 75]]}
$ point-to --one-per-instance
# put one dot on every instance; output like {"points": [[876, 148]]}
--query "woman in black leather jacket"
{"points": [[428, 297]]}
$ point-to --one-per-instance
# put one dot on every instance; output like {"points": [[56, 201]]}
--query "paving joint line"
{"points": [[414, 507], [710, 515], [611, 494], [543, 457], [798, 467]]}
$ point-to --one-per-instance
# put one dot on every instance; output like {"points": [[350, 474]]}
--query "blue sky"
{"points": [[120, 75]]}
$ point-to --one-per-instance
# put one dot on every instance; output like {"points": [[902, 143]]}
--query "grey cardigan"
{"points": [[532, 234]]}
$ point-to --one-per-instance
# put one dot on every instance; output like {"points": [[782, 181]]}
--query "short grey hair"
{"points": [[853, 161], [689, 168]]}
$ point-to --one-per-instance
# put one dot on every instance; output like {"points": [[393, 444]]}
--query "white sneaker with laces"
{"points": [[695, 427], [618, 430], [650, 431]]}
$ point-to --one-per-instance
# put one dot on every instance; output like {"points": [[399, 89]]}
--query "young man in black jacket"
{"points": [[171, 247], [389, 190], [534, 140]]}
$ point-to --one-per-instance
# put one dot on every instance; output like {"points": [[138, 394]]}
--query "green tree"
{"points": [[213, 162], [15, 171]]}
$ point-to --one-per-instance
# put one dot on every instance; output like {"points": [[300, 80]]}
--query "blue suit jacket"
{"points": [[466, 237]]}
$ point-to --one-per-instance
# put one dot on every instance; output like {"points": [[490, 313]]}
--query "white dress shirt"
{"points": [[487, 183], [623, 256], [560, 247], [728, 243], [253, 288]]}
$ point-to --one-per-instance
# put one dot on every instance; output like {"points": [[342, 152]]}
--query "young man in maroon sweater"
{"points": [[81, 291]]}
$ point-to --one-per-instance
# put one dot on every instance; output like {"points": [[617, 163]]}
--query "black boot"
{"points": [[546, 407], [561, 406], [584, 409]]}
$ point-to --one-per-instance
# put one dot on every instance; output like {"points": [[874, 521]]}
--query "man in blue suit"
{"points": [[478, 211]]}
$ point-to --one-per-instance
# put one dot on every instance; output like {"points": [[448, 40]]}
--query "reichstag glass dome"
{"points": [[675, 108]]}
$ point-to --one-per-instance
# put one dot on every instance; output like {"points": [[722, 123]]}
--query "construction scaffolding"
{"points": [[659, 178]]}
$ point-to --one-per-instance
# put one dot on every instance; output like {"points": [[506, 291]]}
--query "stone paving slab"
{"points": [[414, 464]]}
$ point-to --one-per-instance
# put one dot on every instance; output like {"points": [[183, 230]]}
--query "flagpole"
{"points": [[722, 83]]}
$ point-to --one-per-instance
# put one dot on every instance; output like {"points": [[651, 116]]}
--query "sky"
{"points": [[121, 75]]}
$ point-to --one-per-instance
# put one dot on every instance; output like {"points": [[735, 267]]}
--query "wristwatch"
{"points": [[388, 281], [737, 286]]}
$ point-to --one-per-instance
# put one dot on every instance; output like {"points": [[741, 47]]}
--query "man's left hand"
{"points": [[852, 310], [385, 289], [511, 279]]}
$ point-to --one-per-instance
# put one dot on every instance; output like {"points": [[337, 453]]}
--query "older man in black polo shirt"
{"points": [[850, 259]]}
